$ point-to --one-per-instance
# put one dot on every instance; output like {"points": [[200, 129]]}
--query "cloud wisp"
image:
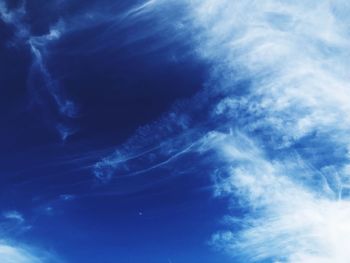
{"points": [[43, 87], [14, 215]]}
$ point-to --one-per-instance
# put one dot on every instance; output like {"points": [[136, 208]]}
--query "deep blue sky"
{"points": [[121, 76], [174, 131]]}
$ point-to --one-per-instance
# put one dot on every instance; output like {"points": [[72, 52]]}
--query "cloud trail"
{"points": [[41, 83], [38, 46]]}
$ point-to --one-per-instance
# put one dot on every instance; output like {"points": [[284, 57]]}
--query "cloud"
{"points": [[40, 78], [284, 220], [293, 53], [67, 197], [153, 146], [9, 254], [13, 223], [14, 18], [15, 253], [14, 215], [275, 110], [38, 46], [294, 181]]}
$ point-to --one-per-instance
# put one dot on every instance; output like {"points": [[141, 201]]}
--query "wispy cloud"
{"points": [[14, 253], [284, 220], [9, 254], [12, 224], [280, 125], [14, 18], [294, 180], [14, 215], [38, 46]]}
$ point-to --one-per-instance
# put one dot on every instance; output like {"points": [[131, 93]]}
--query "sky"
{"points": [[174, 131]]}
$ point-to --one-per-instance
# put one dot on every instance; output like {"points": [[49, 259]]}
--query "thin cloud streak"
{"points": [[38, 46]]}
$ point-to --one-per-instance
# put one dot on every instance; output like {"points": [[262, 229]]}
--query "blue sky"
{"points": [[174, 131], [69, 101]]}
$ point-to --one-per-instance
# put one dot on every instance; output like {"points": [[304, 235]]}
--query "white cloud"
{"points": [[292, 180], [295, 54], [15, 253], [285, 220], [11, 251], [10, 254], [14, 215]]}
